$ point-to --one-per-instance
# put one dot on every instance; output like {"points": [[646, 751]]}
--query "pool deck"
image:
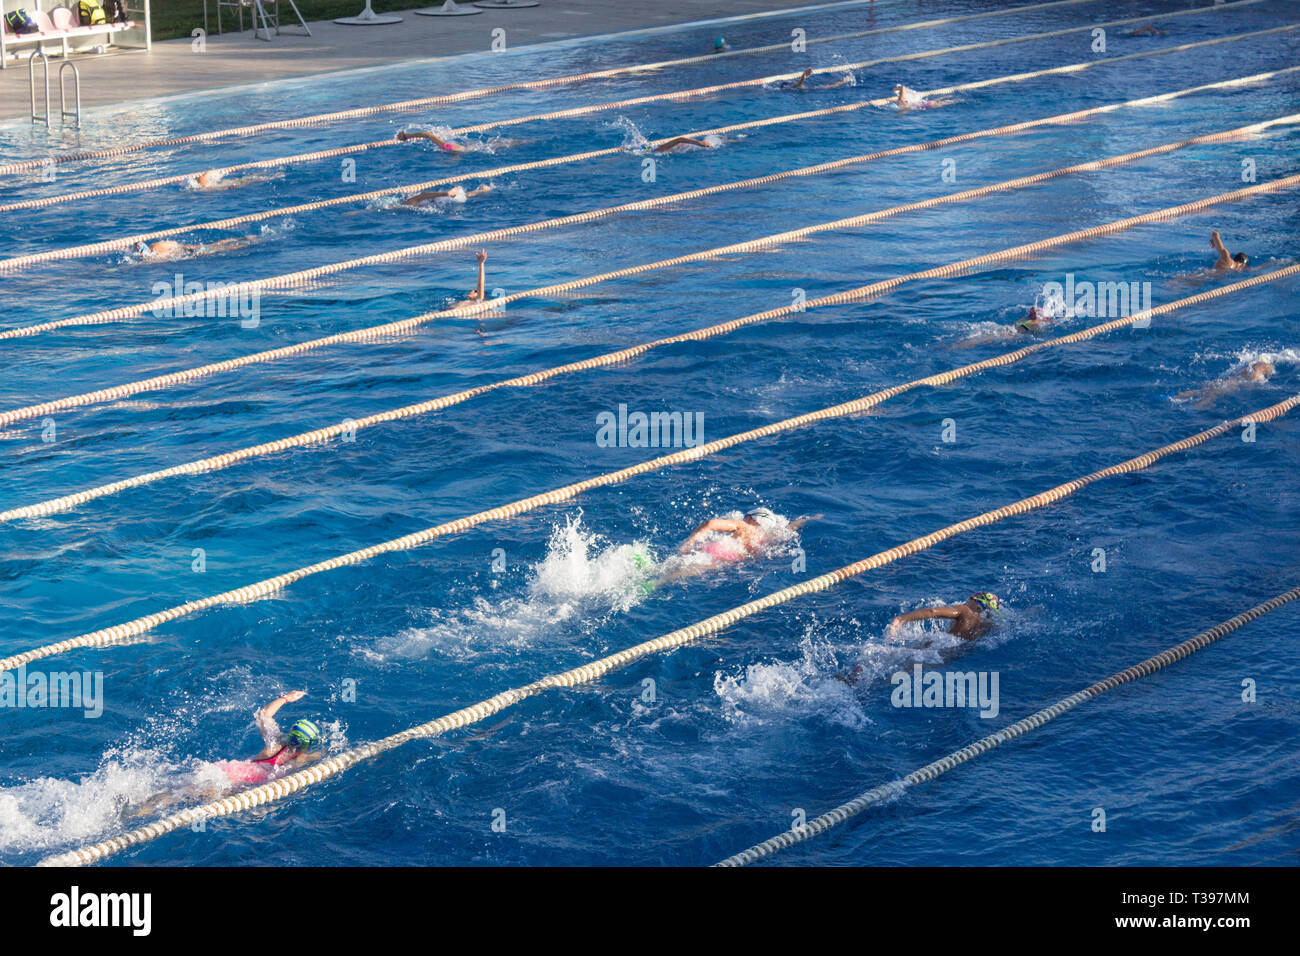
{"points": [[235, 59]]}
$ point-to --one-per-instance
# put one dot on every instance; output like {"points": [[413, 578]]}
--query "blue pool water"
{"points": [[750, 725]]}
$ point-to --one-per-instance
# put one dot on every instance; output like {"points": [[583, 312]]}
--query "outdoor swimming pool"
{"points": [[686, 757]]}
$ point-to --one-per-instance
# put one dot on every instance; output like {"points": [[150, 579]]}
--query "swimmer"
{"points": [[969, 620], [1256, 373], [907, 99], [798, 84], [169, 249], [726, 539], [1225, 260], [280, 752], [1034, 321], [685, 141], [478, 294], [720, 45], [216, 179], [456, 193], [1150, 30], [1041, 315], [441, 143]]}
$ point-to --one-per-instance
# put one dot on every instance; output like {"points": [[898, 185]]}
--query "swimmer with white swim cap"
{"points": [[729, 540], [170, 249], [456, 194]]}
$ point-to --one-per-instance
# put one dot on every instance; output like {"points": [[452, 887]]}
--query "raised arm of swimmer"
{"points": [[481, 291], [265, 718], [1226, 260]]}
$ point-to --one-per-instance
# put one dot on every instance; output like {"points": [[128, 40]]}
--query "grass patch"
{"points": [[179, 18]]}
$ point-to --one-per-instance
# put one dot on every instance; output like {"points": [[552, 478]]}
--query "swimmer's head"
{"points": [[140, 248], [303, 736], [720, 43], [1241, 259], [1262, 369], [986, 600], [758, 516]]}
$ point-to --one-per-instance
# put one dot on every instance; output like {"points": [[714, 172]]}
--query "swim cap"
{"points": [[304, 735], [719, 43], [140, 248], [987, 600], [1241, 257], [761, 514]]}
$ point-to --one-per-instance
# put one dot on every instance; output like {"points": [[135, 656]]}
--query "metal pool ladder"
{"points": [[64, 112]]}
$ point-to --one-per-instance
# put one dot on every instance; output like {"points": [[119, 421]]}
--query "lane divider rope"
{"points": [[170, 379], [622, 104], [321, 435], [550, 83], [982, 746], [121, 632], [329, 767], [126, 242]]}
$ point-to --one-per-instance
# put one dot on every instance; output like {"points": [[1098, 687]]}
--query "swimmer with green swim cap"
{"points": [[969, 621], [280, 752]]}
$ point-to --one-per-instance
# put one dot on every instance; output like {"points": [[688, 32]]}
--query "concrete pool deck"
{"points": [[234, 59]]}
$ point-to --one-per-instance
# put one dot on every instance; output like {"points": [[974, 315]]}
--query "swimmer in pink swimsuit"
{"points": [[449, 146], [281, 752], [906, 99], [729, 540]]}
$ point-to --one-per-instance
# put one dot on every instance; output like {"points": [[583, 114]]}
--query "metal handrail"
{"points": [[31, 83], [64, 112]]}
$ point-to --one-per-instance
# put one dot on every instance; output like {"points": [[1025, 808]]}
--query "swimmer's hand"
{"points": [[293, 695], [481, 256]]}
